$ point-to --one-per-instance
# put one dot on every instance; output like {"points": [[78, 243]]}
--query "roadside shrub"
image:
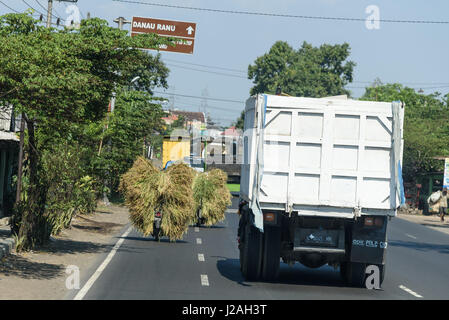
{"points": [[70, 192]]}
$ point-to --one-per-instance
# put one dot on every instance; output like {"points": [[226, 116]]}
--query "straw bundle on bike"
{"points": [[147, 189], [177, 199], [211, 195]]}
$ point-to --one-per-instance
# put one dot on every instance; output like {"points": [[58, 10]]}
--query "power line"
{"points": [[190, 106], [194, 103], [82, 15], [198, 97], [211, 107], [412, 83], [205, 66], [417, 84], [9, 7], [278, 15], [236, 70], [206, 71], [46, 9], [32, 7], [417, 87]]}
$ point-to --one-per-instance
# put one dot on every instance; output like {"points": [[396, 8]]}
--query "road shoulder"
{"points": [[432, 221], [41, 274]]}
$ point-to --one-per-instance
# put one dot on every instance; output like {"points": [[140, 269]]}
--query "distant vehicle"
{"points": [[320, 178], [175, 148], [194, 162]]}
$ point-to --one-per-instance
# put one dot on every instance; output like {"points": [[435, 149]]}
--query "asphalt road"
{"points": [[205, 265]]}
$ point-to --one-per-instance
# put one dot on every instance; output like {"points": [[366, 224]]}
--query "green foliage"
{"points": [[240, 123], [426, 126], [136, 119], [178, 123], [69, 191], [211, 195], [306, 72], [62, 81]]}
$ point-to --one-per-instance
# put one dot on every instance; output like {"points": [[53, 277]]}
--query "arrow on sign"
{"points": [[190, 30]]}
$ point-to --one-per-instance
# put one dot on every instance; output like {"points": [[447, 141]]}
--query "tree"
{"points": [[178, 123], [58, 78], [136, 119], [308, 72], [426, 126], [240, 123]]}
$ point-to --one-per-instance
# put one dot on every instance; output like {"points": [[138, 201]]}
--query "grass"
{"points": [[233, 187]]}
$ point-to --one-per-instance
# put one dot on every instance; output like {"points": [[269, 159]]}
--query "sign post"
{"points": [[446, 174], [185, 31]]}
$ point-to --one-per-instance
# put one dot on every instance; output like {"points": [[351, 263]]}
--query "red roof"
{"points": [[231, 131]]}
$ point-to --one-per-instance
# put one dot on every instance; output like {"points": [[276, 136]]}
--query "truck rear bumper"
{"points": [[335, 251]]}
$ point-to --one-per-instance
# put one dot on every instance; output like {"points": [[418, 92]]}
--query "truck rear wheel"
{"points": [[271, 253], [251, 253]]}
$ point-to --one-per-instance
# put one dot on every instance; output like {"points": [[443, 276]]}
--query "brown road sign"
{"points": [[163, 27], [184, 45], [167, 28]]}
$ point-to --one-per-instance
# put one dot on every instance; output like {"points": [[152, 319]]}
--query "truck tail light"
{"points": [[369, 221], [374, 221], [379, 221], [269, 217]]}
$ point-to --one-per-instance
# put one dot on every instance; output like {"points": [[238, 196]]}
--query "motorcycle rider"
{"points": [[443, 204]]}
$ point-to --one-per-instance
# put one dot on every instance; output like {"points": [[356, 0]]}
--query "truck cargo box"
{"points": [[330, 157]]}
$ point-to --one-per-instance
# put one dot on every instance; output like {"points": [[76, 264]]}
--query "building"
{"points": [[193, 120], [9, 150]]}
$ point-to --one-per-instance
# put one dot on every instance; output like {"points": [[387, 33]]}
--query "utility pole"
{"points": [[49, 12], [121, 22], [20, 166], [22, 125]]}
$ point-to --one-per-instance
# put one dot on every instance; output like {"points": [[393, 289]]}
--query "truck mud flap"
{"points": [[368, 244]]}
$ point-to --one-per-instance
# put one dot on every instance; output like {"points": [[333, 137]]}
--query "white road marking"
{"points": [[410, 236], [200, 257], [232, 210], [80, 295], [204, 280], [197, 229], [199, 241], [413, 293]]}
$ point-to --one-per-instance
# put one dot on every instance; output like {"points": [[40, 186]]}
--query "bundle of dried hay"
{"points": [[146, 189], [177, 200], [211, 195]]}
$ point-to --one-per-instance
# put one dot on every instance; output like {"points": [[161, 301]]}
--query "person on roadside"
{"points": [[443, 204]]}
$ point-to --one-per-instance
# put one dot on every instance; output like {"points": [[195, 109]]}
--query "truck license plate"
{"points": [[316, 237]]}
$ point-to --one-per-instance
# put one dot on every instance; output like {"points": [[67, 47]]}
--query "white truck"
{"points": [[320, 179]]}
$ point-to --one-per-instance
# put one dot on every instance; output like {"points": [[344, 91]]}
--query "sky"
{"points": [[413, 54]]}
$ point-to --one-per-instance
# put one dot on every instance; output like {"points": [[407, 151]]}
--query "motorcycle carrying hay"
{"points": [[146, 189], [211, 195]]}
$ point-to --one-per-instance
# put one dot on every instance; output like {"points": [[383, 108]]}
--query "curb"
{"points": [[6, 247]]}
